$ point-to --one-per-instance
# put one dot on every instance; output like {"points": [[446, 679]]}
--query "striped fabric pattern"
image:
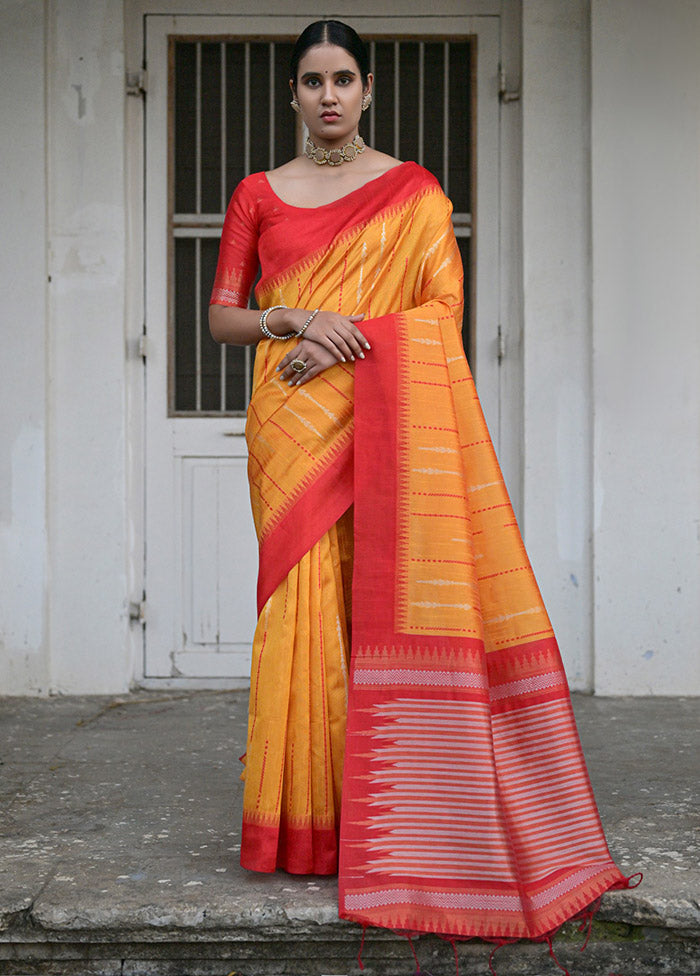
{"points": [[466, 805], [467, 808]]}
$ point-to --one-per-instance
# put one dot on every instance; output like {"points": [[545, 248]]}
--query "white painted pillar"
{"points": [[86, 206], [23, 542], [556, 328], [646, 352]]}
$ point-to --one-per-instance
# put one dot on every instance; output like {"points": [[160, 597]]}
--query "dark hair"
{"points": [[330, 32]]}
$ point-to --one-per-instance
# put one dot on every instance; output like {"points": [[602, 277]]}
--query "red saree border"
{"points": [[315, 510], [308, 849], [531, 852], [376, 393]]}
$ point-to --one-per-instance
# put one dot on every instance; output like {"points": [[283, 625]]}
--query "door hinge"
{"points": [[143, 345], [137, 83], [137, 612], [503, 94], [501, 345]]}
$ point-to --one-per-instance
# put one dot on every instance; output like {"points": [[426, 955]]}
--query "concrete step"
{"points": [[119, 841], [614, 949]]}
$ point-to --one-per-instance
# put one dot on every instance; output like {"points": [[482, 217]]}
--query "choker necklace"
{"points": [[334, 157]]}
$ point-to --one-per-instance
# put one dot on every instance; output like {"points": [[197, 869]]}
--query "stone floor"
{"points": [[119, 842]]}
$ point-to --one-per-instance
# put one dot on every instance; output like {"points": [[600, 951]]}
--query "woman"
{"points": [[384, 524]]}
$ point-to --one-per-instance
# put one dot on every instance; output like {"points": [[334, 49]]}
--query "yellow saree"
{"points": [[395, 595]]}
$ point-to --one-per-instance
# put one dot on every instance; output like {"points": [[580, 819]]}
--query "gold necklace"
{"points": [[334, 157]]}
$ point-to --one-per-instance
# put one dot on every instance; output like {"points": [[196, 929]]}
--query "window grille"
{"points": [[230, 116]]}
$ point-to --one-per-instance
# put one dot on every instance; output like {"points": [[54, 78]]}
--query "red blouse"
{"points": [[260, 228]]}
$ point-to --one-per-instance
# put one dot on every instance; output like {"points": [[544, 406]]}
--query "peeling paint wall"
{"points": [[556, 290], [611, 347], [645, 166], [86, 358], [23, 539]]}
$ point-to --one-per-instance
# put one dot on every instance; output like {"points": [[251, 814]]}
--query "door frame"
{"points": [[507, 426]]}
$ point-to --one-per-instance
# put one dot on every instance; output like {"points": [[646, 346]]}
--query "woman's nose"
{"points": [[328, 92]]}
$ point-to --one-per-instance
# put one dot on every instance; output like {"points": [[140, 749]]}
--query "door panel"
{"points": [[217, 108]]}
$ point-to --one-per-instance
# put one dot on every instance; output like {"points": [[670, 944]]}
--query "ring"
{"points": [[298, 365]]}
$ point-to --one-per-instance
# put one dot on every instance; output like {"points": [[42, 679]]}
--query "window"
{"points": [[230, 116]]}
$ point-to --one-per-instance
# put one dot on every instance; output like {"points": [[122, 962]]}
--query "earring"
{"points": [[366, 101], [295, 105]]}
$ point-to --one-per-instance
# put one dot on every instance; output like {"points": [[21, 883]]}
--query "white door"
{"points": [[217, 108]]}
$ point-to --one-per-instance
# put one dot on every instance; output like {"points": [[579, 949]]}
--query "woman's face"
{"points": [[329, 91]]}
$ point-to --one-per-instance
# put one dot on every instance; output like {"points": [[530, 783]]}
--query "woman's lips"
{"points": [[330, 116]]}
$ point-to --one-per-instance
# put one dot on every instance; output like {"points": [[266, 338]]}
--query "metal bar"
{"points": [[222, 347], [372, 56], [224, 201], [198, 128], [198, 323], [246, 376], [198, 220], [197, 232], [223, 127], [396, 99], [421, 99], [222, 378], [446, 120], [246, 111], [272, 106]]}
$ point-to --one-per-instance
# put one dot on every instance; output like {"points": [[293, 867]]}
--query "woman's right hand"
{"points": [[338, 334]]}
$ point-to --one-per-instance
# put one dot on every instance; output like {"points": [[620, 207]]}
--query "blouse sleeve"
{"points": [[238, 251]]}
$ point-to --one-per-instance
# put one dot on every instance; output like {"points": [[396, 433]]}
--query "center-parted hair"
{"points": [[330, 32]]}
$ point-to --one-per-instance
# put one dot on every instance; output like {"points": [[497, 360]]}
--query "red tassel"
{"points": [[414, 954], [556, 961], [454, 949], [362, 945], [587, 926], [452, 939], [499, 945]]}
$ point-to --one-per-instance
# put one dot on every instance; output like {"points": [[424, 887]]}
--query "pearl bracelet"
{"points": [[263, 325], [308, 322]]}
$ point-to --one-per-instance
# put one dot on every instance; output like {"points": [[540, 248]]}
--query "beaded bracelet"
{"points": [[263, 325], [308, 322]]}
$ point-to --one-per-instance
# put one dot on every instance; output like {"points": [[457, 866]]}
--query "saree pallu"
{"points": [[466, 805]]}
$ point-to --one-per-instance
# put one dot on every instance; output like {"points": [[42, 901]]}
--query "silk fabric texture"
{"points": [[404, 666]]}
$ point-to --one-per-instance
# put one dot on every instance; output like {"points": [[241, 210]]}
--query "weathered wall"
{"points": [[611, 409], [556, 329], [611, 250], [645, 166], [23, 541], [86, 362]]}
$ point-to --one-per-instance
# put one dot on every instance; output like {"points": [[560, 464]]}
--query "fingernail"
{"points": [[291, 383], [362, 355], [367, 345], [343, 359], [352, 358], [277, 369]]}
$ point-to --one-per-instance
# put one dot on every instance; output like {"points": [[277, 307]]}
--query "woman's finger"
{"points": [[290, 373], [332, 346], [355, 341], [307, 375], [345, 343], [356, 332], [361, 338], [289, 357]]}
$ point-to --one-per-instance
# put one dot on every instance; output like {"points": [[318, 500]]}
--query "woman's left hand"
{"points": [[316, 357]]}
